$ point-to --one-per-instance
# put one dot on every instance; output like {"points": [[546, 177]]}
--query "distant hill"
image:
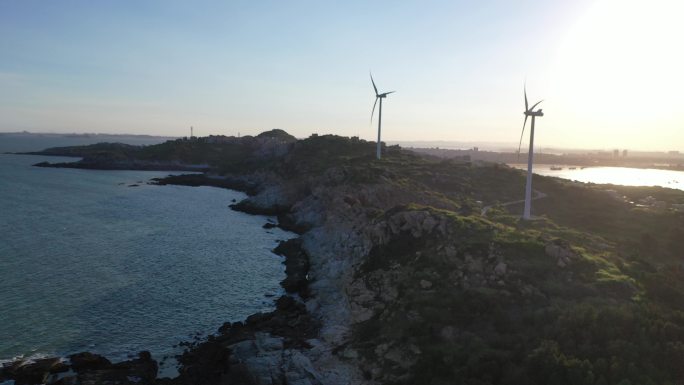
{"points": [[217, 152], [26, 141], [277, 134]]}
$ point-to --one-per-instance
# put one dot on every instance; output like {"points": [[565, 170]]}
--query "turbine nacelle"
{"points": [[529, 111], [534, 113], [377, 96]]}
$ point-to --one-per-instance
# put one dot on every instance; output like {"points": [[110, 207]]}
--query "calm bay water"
{"points": [[615, 175], [89, 263]]}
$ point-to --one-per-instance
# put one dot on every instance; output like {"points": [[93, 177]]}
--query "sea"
{"points": [[625, 176], [102, 261]]}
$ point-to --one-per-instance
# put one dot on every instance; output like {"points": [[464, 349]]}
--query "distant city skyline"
{"points": [[609, 70]]}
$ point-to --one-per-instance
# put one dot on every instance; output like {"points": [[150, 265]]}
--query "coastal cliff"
{"points": [[396, 277]]}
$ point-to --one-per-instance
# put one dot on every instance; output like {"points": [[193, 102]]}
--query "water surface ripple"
{"points": [[89, 263]]}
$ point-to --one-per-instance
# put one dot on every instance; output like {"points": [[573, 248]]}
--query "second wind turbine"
{"points": [[378, 96], [528, 187]]}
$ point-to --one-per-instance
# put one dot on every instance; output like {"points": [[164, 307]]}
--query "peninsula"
{"points": [[400, 275]]}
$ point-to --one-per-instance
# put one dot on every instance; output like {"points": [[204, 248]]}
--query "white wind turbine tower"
{"points": [[528, 187], [378, 96]]}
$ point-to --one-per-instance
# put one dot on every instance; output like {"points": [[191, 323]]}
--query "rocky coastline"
{"points": [[396, 278], [126, 165], [266, 348], [296, 343]]}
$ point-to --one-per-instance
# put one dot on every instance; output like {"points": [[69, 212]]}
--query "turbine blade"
{"points": [[525, 90], [521, 136], [387, 93], [536, 105], [373, 111], [374, 87]]}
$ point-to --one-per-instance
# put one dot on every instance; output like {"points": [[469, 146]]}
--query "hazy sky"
{"points": [[610, 71]]}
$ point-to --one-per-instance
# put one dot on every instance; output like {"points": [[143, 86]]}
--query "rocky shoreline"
{"points": [[81, 368], [292, 344], [309, 338], [396, 277], [128, 165]]}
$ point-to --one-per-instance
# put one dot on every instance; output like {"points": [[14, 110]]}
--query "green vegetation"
{"points": [[634, 231], [599, 320]]}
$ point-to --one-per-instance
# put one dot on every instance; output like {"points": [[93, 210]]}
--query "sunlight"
{"points": [[622, 64]]}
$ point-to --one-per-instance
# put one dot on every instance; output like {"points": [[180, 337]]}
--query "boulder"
{"points": [[88, 361], [296, 266], [34, 372], [500, 269], [140, 371], [561, 251]]}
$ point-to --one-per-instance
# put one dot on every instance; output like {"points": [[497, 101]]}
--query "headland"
{"points": [[397, 278]]}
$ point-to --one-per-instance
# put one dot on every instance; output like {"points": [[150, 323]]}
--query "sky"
{"points": [[610, 71]]}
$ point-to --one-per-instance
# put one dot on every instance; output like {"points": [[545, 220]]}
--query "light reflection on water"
{"points": [[614, 175]]}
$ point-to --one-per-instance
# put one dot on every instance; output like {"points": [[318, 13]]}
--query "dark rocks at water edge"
{"points": [[248, 207], [35, 372], [196, 180], [123, 165], [296, 266], [81, 368], [260, 350], [264, 349], [267, 347]]}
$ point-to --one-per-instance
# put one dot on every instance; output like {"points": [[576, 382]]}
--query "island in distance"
{"points": [[399, 275]]}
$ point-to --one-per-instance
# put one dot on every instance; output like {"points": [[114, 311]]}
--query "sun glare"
{"points": [[621, 65]]}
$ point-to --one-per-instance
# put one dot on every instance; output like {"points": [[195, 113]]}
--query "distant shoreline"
{"points": [[565, 166]]}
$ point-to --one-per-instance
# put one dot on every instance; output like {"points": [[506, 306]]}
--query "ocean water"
{"points": [[614, 175], [89, 263]]}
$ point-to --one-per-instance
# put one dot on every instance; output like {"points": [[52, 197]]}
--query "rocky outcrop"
{"points": [[234, 183], [265, 349], [296, 266], [108, 164], [561, 252], [88, 361], [33, 372], [83, 369]]}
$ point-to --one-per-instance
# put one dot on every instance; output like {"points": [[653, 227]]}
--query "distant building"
{"points": [[673, 152], [616, 153], [476, 149], [624, 153]]}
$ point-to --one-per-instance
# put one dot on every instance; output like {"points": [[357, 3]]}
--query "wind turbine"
{"points": [[378, 96], [528, 188]]}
